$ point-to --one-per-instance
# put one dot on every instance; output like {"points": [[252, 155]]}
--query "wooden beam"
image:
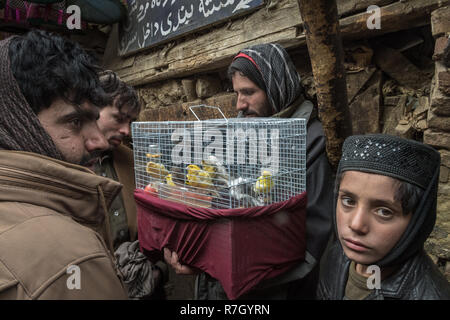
{"points": [[282, 24], [181, 112], [213, 49], [394, 17], [327, 60], [349, 7]]}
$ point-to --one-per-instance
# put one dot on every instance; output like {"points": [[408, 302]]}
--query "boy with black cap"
{"points": [[385, 210]]}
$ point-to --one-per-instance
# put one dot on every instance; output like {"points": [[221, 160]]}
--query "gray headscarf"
{"points": [[405, 160], [270, 68], [20, 128]]}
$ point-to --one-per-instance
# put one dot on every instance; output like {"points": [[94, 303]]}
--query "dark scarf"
{"points": [[405, 160], [270, 68], [20, 129]]}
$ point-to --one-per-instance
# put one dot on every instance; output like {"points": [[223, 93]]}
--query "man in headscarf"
{"points": [[55, 241], [268, 85], [386, 195]]}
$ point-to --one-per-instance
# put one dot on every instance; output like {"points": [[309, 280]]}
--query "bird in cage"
{"points": [[263, 186], [216, 170], [264, 183], [152, 155], [197, 177], [156, 170], [240, 191], [169, 180]]}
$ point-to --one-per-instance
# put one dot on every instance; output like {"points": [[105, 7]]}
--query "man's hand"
{"points": [[172, 259]]}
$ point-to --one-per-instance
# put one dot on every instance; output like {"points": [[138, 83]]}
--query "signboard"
{"points": [[150, 22]]}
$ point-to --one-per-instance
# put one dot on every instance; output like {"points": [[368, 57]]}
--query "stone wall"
{"points": [[438, 135]]}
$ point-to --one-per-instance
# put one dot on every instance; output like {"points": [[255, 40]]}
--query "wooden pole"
{"points": [[324, 42]]}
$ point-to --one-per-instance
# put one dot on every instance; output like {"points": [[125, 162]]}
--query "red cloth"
{"points": [[238, 247]]}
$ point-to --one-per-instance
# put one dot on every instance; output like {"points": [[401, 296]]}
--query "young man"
{"points": [[54, 243], [117, 163], [268, 85], [385, 210]]}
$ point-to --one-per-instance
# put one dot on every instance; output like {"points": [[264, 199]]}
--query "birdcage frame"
{"points": [[221, 163]]}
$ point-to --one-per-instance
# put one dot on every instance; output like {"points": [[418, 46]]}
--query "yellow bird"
{"points": [[169, 180], [209, 168], [264, 183], [197, 177], [156, 170], [217, 171], [152, 155]]}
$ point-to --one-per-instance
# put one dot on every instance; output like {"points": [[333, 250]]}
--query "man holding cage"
{"points": [[268, 85]]}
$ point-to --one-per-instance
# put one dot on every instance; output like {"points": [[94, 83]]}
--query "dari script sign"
{"points": [[150, 22]]}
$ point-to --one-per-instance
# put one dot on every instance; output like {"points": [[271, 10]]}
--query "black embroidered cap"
{"points": [[399, 158]]}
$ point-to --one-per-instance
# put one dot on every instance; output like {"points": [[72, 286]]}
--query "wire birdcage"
{"points": [[221, 163]]}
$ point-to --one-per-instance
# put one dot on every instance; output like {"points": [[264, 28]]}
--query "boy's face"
{"points": [[369, 220]]}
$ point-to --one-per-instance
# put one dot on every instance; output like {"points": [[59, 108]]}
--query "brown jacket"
{"points": [[123, 162], [124, 167], [52, 216]]}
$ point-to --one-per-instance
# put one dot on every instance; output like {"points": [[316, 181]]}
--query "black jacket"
{"points": [[417, 279]]}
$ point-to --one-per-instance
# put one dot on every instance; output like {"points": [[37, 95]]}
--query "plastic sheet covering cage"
{"points": [[237, 209], [223, 163]]}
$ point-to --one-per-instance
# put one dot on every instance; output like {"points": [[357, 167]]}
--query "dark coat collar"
{"points": [[418, 278]]}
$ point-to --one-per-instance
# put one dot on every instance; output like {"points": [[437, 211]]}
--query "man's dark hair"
{"points": [[47, 66], [122, 93], [408, 194]]}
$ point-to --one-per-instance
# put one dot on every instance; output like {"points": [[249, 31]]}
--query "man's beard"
{"points": [[265, 111], [86, 161], [118, 138]]}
